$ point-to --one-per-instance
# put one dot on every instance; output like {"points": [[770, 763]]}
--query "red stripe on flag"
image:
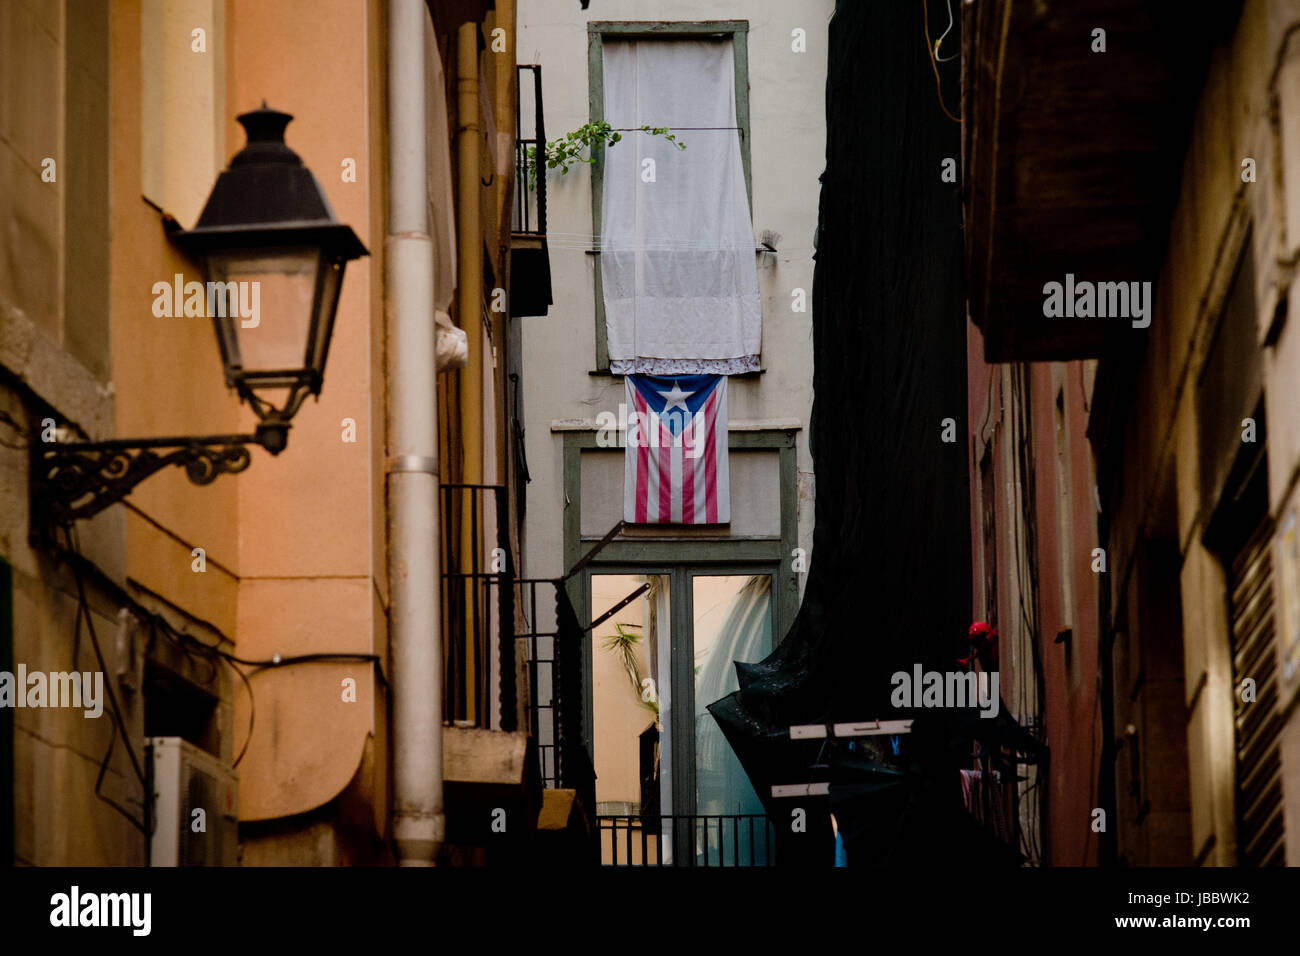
{"points": [[642, 460], [711, 460], [688, 470], [665, 473]]}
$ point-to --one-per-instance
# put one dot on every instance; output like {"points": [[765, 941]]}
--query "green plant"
{"points": [[562, 153], [624, 644]]}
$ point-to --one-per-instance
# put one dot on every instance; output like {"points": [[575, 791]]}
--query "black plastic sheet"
{"points": [[889, 583]]}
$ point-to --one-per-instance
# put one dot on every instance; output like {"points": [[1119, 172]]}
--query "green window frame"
{"points": [[647, 555], [680, 681], [735, 30]]}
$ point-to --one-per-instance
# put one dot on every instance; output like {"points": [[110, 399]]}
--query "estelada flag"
{"points": [[675, 468]]}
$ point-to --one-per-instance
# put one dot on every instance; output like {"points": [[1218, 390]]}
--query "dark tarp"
{"points": [[890, 579]]}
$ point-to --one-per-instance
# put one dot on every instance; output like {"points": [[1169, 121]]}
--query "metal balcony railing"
{"points": [[530, 155], [477, 607], [554, 648], [731, 839], [553, 651], [484, 606]]}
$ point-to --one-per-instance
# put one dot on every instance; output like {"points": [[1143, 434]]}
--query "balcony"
{"points": [[489, 765], [530, 263], [513, 654], [514, 702], [1072, 158], [733, 839]]}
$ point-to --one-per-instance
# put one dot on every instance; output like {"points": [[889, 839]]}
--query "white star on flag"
{"points": [[676, 398]]}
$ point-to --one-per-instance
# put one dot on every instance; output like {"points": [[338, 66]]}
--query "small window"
{"points": [[676, 281]]}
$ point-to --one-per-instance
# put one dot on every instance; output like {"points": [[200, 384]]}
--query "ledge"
{"points": [[606, 373], [54, 375], [744, 425]]}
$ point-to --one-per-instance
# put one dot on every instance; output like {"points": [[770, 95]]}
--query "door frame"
{"points": [[681, 677], [669, 554]]}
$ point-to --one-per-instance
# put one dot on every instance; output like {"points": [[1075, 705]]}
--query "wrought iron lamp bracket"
{"points": [[75, 480]]}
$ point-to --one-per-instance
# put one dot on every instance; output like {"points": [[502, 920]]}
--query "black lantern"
{"points": [[273, 257], [269, 242]]}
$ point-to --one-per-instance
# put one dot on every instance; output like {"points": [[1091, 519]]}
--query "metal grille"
{"points": [[553, 652], [539, 632], [1261, 833], [477, 606], [530, 152], [732, 839]]}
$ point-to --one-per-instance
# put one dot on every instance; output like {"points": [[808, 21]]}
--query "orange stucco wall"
{"points": [[306, 517]]}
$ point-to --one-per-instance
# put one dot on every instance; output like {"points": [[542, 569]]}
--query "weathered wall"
{"points": [[307, 579], [1064, 534], [1246, 108], [787, 149], [54, 334]]}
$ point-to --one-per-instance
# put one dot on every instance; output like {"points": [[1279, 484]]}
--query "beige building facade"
{"points": [[649, 743]]}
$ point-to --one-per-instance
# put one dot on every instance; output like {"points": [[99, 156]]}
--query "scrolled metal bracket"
{"points": [[76, 480]]}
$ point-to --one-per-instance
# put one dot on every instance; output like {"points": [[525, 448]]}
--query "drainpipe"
{"points": [[411, 465], [469, 292]]}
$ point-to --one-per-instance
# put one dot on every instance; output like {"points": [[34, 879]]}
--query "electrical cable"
{"points": [[939, 42], [99, 656], [234, 663], [99, 780], [929, 49], [115, 714], [252, 712], [190, 645]]}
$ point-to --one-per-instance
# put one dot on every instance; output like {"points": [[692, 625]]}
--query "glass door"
{"points": [[669, 788], [629, 652], [731, 620]]}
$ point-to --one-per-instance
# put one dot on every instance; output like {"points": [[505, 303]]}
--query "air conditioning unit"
{"points": [[186, 779]]}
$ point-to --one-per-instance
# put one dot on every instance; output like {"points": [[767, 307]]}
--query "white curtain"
{"points": [[677, 253], [721, 784]]}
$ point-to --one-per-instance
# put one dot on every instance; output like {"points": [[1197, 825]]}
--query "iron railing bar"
{"points": [[590, 556], [702, 830], [618, 607], [474, 619], [540, 132]]}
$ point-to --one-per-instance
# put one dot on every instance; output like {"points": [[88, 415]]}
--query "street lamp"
{"points": [[267, 222], [273, 256]]}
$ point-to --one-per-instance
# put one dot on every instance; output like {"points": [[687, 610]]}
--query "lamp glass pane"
{"points": [[276, 288], [331, 280]]}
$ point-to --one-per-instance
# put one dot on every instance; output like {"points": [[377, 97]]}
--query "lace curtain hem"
{"points": [[673, 366]]}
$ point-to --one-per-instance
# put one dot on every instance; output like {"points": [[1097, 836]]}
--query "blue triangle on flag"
{"points": [[683, 394]]}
